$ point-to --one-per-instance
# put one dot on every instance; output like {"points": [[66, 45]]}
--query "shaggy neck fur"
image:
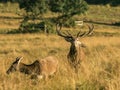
{"points": [[74, 55]]}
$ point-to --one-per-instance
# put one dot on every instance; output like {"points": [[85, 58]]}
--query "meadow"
{"points": [[99, 71]]}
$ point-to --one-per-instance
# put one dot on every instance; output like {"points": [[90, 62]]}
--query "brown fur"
{"points": [[48, 66], [75, 55], [44, 67]]}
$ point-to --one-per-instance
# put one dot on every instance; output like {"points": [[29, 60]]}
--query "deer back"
{"points": [[48, 65], [33, 68]]}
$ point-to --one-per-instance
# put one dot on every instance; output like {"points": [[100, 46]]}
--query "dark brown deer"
{"points": [[76, 53], [31, 69]]}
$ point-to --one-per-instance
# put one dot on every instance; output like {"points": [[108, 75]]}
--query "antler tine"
{"points": [[69, 33], [90, 29], [86, 33], [65, 35], [60, 26], [78, 33], [58, 30]]}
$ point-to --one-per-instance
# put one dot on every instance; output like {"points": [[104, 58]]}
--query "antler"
{"points": [[91, 28], [65, 35], [69, 35]]}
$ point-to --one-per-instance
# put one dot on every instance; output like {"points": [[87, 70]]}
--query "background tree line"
{"points": [[36, 9], [65, 10], [111, 2]]}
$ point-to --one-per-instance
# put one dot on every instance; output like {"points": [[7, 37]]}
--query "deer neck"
{"points": [[74, 50]]}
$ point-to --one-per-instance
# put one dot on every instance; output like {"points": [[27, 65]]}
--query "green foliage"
{"points": [[28, 27], [57, 5], [68, 8], [47, 26], [33, 7], [74, 7], [69, 23]]}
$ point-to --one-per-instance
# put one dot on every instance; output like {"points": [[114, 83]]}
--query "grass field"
{"points": [[99, 71]]}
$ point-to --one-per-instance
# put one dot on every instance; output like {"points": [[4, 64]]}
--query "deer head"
{"points": [[73, 38], [75, 52], [15, 65]]}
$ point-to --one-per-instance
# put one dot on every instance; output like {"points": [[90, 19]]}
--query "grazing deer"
{"points": [[39, 68], [31, 69], [76, 54]]}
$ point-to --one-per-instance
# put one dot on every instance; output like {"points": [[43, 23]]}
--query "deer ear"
{"points": [[19, 62], [20, 59]]}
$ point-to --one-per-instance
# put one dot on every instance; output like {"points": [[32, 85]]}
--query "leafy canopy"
{"points": [[36, 7], [68, 7]]}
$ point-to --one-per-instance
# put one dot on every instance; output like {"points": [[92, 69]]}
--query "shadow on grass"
{"points": [[9, 17], [105, 34], [17, 31], [117, 24], [104, 23], [97, 34]]}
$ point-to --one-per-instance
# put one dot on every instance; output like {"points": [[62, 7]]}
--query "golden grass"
{"points": [[100, 70], [8, 15]]}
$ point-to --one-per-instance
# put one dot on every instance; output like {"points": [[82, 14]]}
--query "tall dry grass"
{"points": [[99, 71]]}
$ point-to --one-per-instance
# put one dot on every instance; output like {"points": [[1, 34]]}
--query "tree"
{"points": [[34, 9], [67, 8]]}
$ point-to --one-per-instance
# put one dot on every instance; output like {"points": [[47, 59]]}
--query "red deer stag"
{"points": [[76, 54]]}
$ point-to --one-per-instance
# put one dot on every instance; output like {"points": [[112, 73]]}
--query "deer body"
{"points": [[43, 68], [76, 53], [48, 66], [33, 68]]}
